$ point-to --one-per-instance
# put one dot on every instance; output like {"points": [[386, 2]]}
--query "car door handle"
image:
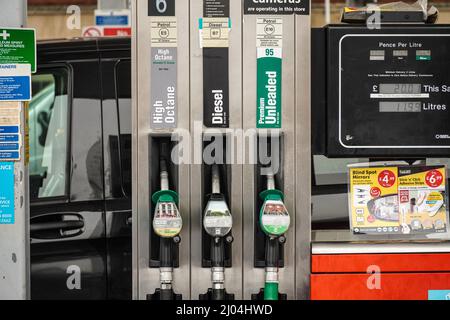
{"points": [[62, 225], [56, 226]]}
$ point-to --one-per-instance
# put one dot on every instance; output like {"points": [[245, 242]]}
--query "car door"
{"points": [[68, 251], [116, 106]]}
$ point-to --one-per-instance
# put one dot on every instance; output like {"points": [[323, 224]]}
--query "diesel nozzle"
{"points": [[167, 224], [274, 221], [217, 222]]}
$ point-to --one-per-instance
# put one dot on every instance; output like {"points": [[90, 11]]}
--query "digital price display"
{"points": [[400, 88], [400, 106], [382, 106]]}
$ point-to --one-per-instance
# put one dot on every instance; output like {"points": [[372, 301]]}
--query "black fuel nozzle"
{"points": [[217, 222]]}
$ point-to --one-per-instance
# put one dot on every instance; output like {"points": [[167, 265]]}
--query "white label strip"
{"points": [[215, 33], [164, 32], [399, 95], [269, 32]]}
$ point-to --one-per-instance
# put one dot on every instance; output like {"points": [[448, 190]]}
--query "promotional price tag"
{"points": [[398, 200]]}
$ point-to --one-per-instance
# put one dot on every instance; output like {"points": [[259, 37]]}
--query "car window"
{"points": [[329, 198], [123, 79], [111, 157], [48, 134], [328, 171], [86, 140]]}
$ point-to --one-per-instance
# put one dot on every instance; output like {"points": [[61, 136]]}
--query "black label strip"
{"points": [[215, 88], [216, 73], [216, 8], [279, 7], [161, 8]]}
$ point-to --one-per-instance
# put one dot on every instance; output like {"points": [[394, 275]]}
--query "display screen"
{"points": [[400, 88], [400, 106]]}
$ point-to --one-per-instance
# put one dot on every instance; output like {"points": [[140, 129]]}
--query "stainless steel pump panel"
{"points": [[161, 112], [388, 91], [219, 80]]}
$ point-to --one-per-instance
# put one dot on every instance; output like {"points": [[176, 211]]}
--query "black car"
{"points": [[80, 170]]}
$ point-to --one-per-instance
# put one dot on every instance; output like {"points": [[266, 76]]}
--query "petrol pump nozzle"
{"points": [[167, 221], [167, 224], [217, 222], [217, 219], [274, 217], [274, 221]]}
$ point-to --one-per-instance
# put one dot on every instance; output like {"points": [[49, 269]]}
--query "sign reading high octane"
{"points": [[18, 46], [276, 7], [164, 93], [269, 72]]}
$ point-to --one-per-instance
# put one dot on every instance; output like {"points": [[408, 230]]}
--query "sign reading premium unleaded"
{"points": [[269, 72], [18, 46], [276, 7]]}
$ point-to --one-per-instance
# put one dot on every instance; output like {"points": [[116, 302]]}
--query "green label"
{"points": [[269, 88], [423, 58], [18, 46]]}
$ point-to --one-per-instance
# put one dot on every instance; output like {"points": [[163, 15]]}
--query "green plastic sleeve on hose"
{"points": [[165, 195], [271, 194], [271, 291]]}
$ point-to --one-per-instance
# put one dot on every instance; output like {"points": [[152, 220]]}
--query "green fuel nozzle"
{"points": [[167, 221], [274, 221], [167, 224], [274, 217]]}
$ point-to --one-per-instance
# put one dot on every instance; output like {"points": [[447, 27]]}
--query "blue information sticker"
{"points": [[112, 20], [7, 193], [15, 82], [438, 294], [9, 138], [15, 88], [9, 143], [9, 129], [9, 155], [9, 146]]}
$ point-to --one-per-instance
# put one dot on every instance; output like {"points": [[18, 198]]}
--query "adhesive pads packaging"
{"points": [[398, 200]]}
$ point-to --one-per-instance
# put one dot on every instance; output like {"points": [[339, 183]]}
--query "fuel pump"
{"points": [[167, 224], [274, 221], [217, 222]]}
